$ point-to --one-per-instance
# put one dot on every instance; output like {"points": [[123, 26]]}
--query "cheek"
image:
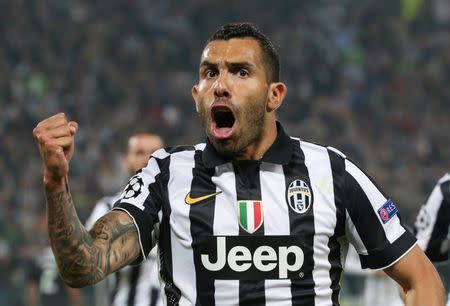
{"points": [[254, 97], [252, 90], [204, 87]]}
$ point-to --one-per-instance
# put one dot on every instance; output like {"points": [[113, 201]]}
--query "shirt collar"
{"points": [[279, 153]]}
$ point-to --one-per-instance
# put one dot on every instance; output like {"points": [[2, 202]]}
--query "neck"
{"points": [[257, 150]]}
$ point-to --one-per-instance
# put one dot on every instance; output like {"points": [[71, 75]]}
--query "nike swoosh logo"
{"points": [[189, 200]]}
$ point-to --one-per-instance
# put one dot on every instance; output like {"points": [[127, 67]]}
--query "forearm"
{"points": [[428, 291], [83, 257], [425, 296], [79, 260], [418, 279]]}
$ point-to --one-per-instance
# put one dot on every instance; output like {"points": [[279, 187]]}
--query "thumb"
{"points": [[73, 126]]}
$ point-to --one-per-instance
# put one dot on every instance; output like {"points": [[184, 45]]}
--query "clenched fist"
{"points": [[55, 137]]}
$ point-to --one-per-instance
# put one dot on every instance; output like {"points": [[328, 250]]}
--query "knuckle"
{"points": [[45, 141]]}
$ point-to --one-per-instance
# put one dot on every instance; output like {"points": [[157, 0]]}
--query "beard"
{"points": [[250, 119]]}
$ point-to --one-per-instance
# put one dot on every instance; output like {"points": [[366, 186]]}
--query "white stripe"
{"points": [[147, 175], [319, 169], [392, 228], [250, 216], [144, 283], [124, 287], [200, 146], [226, 224], [182, 255], [276, 222], [160, 154]]}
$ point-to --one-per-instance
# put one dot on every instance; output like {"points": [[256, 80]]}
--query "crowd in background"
{"points": [[369, 77]]}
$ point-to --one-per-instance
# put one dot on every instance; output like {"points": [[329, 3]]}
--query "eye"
{"points": [[243, 73], [209, 73]]}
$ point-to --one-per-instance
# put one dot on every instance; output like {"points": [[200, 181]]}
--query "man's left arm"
{"points": [[418, 278]]}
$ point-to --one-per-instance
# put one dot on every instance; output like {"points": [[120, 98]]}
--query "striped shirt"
{"points": [[432, 227], [132, 285], [44, 272], [433, 221], [267, 232]]}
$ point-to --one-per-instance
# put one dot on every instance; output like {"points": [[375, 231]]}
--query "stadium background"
{"points": [[370, 77]]}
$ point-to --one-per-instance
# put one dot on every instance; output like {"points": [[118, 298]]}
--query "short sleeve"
{"points": [[373, 223], [141, 199]]}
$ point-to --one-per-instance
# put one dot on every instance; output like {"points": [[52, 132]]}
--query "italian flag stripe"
{"points": [[257, 214], [243, 213]]}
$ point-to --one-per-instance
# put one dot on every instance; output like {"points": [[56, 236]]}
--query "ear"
{"points": [[277, 92], [125, 163], [194, 92]]}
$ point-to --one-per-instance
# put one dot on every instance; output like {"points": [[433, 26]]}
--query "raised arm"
{"points": [[83, 257], [418, 278]]}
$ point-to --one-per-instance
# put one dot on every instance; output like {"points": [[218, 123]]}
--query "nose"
{"points": [[221, 89]]}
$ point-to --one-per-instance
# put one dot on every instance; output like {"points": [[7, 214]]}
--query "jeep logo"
{"points": [[252, 257]]}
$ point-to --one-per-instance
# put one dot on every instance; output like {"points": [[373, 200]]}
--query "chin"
{"points": [[224, 146]]}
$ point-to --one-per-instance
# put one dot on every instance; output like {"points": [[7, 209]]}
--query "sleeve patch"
{"points": [[387, 211]]}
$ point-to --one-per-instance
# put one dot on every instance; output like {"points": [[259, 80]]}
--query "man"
{"points": [[432, 226], [136, 285], [44, 286], [252, 217]]}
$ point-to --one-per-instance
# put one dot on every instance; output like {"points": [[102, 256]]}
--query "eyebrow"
{"points": [[229, 65]]}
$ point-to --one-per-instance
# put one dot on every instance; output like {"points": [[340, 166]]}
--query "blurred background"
{"points": [[369, 77]]}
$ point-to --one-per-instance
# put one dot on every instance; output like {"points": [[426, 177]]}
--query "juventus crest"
{"points": [[299, 196]]}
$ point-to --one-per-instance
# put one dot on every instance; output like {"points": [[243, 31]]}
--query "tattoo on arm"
{"points": [[84, 257]]}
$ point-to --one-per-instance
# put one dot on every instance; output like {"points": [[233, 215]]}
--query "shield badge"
{"points": [[250, 215], [299, 196]]}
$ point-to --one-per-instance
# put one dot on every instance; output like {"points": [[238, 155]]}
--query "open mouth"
{"points": [[223, 121]]}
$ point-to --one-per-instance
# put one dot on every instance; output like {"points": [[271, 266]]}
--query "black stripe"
{"points": [[248, 187], [302, 226], [134, 277], [201, 216], [363, 216], [154, 296], [172, 150], [338, 169], [173, 293]]}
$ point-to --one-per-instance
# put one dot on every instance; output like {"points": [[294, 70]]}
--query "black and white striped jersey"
{"points": [[131, 285], [433, 222], [267, 232], [43, 271]]}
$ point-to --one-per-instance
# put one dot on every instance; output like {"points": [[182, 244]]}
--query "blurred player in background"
{"points": [[43, 284], [432, 227], [132, 285]]}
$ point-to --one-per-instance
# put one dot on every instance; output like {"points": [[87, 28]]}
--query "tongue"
{"points": [[221, 132]]}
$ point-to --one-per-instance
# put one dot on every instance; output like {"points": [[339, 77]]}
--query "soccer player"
{"points": [[133, 285], [432, 226], [44, 286], [252, 216]]}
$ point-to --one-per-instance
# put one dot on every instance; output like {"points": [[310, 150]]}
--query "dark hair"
{"points": [[245, 29]]}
